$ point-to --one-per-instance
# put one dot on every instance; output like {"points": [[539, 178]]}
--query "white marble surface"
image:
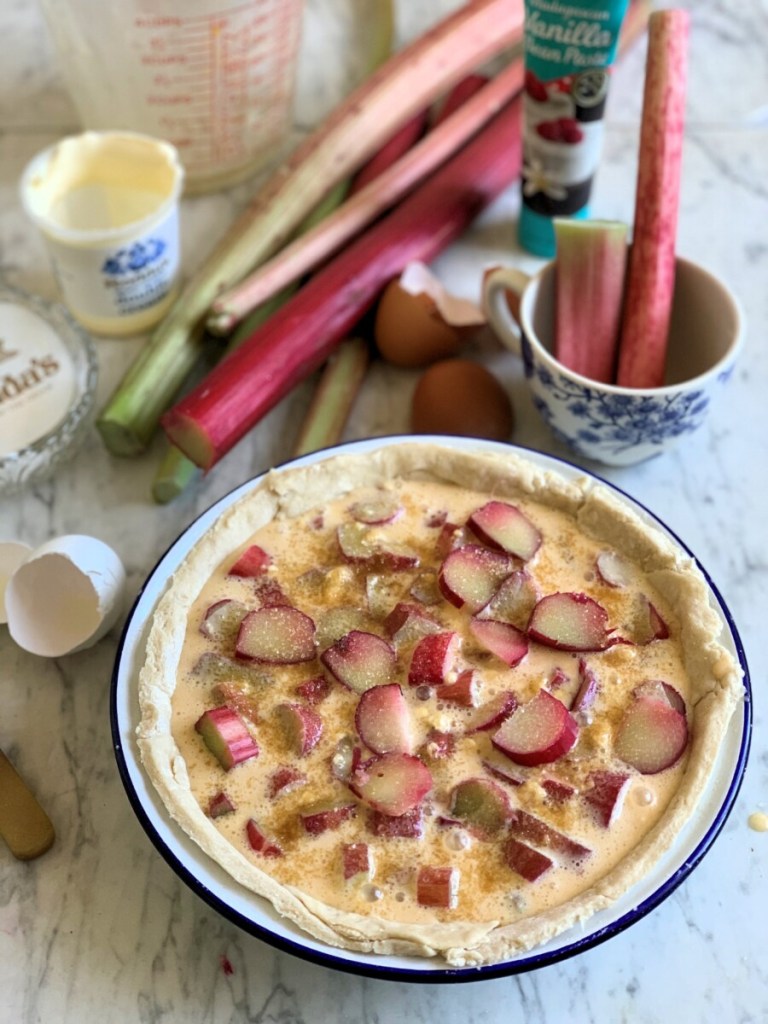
{"points": [[100, 925]]}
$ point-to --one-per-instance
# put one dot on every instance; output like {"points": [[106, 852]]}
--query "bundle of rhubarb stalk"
{"points": [[392, 176]]}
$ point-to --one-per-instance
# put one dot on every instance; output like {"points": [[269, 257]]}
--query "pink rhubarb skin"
{"points": [[298, 338], [589, 289], [651, 278]]}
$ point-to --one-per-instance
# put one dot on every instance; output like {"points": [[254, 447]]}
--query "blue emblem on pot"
{"points": [[134, 257]]}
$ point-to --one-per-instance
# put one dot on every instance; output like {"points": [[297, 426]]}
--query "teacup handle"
{"points": [[498, 284]]}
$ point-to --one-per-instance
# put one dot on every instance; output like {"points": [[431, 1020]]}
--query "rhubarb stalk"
{"points": [[371, 113], [651, 275], [334, 397], [590, 268], [301, 335]]}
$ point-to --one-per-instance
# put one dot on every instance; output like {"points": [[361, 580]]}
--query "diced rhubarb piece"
{"points": [[214, 668], [360, 661], [662, 691], [481, 805], [395, 557], [222, 620], [285, 779], [260, 842], [383, 508], [504, 771], [360, 544], [586, 695], [435, 520], [530, 864], [253, 562], [226, 735], [533, 830], [424, 588], [409, 825], [463, 692], [334, 623], [470, 575], [238, 698], [451, 536], [557, 679], [647, 625], [324, 818], [433, 659], [613, 569], [391, 783], [269, 593], [345, 758], [439, 745], [504, 526], [383, 720], [356, 861], [605, 795], [500, 638], [437, 886], [494, 712], [537, 732], [570, 622], [220, 804], [302, 727], [382, 591], [651, 735], [276, 636], [409, 622], [513, 601], [314, 691], [558, 790]]}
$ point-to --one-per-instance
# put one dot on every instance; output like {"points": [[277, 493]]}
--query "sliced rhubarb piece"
{"points": [[662, 691], [285, 779], [504, 526], [537, 732], [451, 536], [276, 636], [269, 593], [346, 756], [238, 698], [360, 544], [226, 735], [424, 588], [437, 886], [433, 659], [213, 668], [589, 290], [222, 619], [504, 771], [356, 861], [220, 804], [260, 842], [586, 695], [613, 569], [605, 795], [540, 834], [470, 575], [530, 864], [494, 712], [253, 562], [464, 692], [570, 622], [314, 691], [651, 274], [409, 825], [301, 726], [334, 623], [513, 601], [382, 591], [408, 622], [383, 508], [439, 745], [383, 720], [500, 638], [651, 735], [360, 661], [646, 625], [391, 783], [321, 818], [558, 790], [481, 806]]}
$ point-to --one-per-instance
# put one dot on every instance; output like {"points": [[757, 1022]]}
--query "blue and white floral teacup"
{"points": [[614, 425]]}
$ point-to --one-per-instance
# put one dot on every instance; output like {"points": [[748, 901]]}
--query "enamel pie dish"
{"points": [[431, 710]]}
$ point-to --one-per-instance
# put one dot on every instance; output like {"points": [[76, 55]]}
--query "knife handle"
{"points": [[24, 825]]}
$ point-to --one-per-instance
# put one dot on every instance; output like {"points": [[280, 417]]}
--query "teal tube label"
{"points": [[569, 50]]}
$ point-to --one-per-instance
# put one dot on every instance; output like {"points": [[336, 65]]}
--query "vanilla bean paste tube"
{"points": [[569, 50]]}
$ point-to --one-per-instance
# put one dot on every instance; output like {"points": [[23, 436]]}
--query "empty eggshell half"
{"points": [[65, 596], [12, 554]]}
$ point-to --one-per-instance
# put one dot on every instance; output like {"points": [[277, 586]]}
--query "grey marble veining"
{"points": [[101, 925]]}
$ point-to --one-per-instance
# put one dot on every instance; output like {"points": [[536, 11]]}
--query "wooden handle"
{"points": [[24, 825]]}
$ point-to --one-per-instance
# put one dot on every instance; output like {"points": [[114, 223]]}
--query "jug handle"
{"points": [[503, 288]]}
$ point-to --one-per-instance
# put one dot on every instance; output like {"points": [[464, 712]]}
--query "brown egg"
{"points": [[409, 330], [457, 396]]}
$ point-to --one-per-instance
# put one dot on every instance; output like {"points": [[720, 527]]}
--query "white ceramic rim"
{"points": [[256, 916]]}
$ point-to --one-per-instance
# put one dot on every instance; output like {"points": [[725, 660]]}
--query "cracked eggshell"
{"points": [[12, 554], [65, 596]]}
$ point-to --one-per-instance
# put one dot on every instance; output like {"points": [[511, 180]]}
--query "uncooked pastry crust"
{"points": [[714, 675]]}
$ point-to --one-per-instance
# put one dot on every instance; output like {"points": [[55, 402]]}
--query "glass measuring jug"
{"points": [[213, 77]]}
